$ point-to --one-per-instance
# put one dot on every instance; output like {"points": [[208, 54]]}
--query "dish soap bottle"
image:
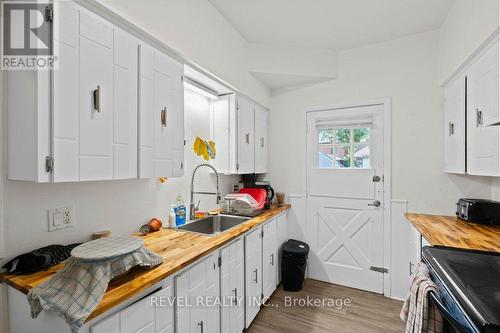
{"points": [[180, 211]]}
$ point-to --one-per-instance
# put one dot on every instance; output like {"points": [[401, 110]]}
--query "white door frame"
{"points": [[386, 102]]}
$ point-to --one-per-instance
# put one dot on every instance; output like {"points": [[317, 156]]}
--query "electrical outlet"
{"points": [[61, 218]]}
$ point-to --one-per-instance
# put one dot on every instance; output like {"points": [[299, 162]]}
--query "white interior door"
{"points": [[345, 196]]}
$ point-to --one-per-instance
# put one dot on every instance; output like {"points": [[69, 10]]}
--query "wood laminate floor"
{"points": [[366, 313]]}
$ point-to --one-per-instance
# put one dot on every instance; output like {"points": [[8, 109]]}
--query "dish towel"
{"points": [[74, 292], [420, 314]]}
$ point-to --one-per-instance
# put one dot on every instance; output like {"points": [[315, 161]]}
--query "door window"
{"points": [[344, 148]]}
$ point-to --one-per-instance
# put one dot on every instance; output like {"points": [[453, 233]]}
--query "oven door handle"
{"points": [[446, 314]]}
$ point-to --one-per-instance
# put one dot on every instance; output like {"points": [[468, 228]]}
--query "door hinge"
{"points": [[49, 164], [237, 166], [237, 106], [49, 13], [219, 261], [379, 269]]}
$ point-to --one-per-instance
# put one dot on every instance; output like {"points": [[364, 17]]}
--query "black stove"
{"points": [[469, 282]]}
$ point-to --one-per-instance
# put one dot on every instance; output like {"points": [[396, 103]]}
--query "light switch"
{"points": [[57, 219]]}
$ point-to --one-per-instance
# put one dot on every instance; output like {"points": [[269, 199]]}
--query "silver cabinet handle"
{"points": [[451, 129], [479, 117], [201, 326], [235, 292], [272, 259], [247, 138], [163, 117], [376, 203], [96, 94], [262, 142], [255, 279]]}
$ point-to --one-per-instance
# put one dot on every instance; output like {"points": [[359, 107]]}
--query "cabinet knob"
{"points": [[201, 326], [255, 273], [247, 138]]}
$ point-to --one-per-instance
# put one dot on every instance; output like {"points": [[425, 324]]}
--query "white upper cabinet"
{"points": [[80, 121], [125, 103], [454, 126], [471, 145], [161, 114], [245, 111], [238, 127], [261, 128], [96, 99], [483, 141]]}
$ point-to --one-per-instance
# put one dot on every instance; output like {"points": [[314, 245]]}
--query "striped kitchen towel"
{"points": [[74, 292], [420, 314]]}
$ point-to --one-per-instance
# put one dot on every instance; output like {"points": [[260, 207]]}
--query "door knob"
{"points": [[376, 203]]}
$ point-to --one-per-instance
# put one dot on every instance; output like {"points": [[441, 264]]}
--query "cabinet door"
{"points": [[125, 106], [96, 99], [177, 107], [269, 258], [246, 141], [162, 123], [194, 290], [65, 93], [253, 275], [454, 126], [139, 317], [281, 238], [146, 108], [483, 110], [261, 140], [232, 288], [212, 311], [108, 325], [164, 312]]}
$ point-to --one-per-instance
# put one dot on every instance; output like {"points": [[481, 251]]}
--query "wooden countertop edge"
{"points": [[450, 231], [110, 302]]}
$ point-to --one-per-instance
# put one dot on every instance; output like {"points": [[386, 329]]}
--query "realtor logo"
{"points": [[27, 35]]}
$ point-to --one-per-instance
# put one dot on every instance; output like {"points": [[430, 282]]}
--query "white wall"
{"points": [[467, 26], [199, 32], [406, 70], [121, 206]]}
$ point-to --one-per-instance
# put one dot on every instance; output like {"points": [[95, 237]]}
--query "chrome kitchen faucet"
{"points": [[192, 208]]}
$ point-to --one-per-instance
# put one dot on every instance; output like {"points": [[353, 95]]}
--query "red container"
{"points": [[259, 194]]}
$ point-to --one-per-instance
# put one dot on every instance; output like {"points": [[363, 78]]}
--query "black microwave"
{"points": [[480, 211]]}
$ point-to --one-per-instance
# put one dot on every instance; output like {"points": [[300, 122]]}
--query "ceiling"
{"points": [[331, 24]]}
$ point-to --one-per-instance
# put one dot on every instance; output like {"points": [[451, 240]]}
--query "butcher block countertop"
{"points": [[451, 231], [178, 248]]}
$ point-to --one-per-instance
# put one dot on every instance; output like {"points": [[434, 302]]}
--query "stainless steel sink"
{"points": [[213, 225]]}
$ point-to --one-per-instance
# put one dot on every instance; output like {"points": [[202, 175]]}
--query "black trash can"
{"points": [[293, 264]]}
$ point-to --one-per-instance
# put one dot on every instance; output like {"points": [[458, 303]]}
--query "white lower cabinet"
{"points": [[152, 314], [232, 281], [253, 275], [196, 290], [269, 258]]}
